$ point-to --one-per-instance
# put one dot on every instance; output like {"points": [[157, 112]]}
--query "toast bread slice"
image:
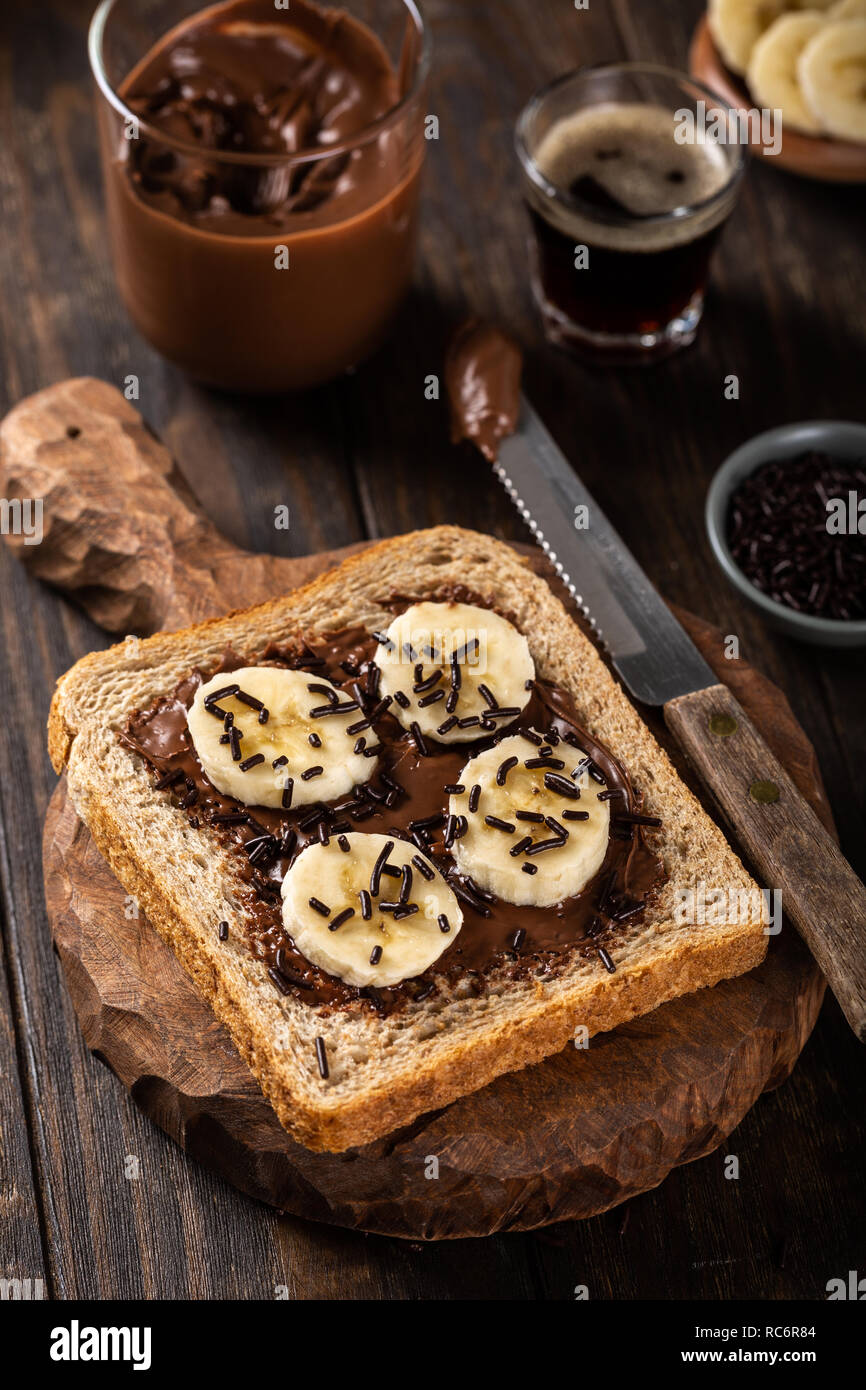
{"points": [[385, 1071]]}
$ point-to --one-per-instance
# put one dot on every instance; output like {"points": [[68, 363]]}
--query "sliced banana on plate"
{"points": [[536, 829], [272, 737], [373, 911], [736, 26], [772, 73], [832, 72], [455, 671], [847, 9]]}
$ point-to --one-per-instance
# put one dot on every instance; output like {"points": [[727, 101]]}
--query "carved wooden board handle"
{"points": [[121, 531], [784, 838]]}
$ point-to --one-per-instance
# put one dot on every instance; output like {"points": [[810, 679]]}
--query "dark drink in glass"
{"points": [[626, 202]]}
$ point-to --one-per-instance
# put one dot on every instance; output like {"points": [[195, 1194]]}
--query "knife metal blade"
{"points": [[649, 649]]}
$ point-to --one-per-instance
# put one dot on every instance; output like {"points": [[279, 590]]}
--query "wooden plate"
{"points": [[812, 156]]}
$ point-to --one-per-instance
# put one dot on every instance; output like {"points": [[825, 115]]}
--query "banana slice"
{"points": [[274, 763], [450, 666], [847, 9], [832, 73], [736, 26], [772, 74], [497, 847], [328, 891]]}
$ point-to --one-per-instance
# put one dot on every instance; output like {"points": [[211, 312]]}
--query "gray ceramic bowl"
{"points": [[840, 437]]}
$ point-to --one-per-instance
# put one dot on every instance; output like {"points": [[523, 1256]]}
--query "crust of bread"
{"points": [[386, 1071]]}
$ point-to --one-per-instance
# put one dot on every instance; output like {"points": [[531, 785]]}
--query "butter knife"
{"points": [[659, 665]]}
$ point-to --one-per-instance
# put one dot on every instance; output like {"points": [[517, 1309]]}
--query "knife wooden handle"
{"points": [[782, 836]]}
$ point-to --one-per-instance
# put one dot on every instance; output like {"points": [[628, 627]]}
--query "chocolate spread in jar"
{"points": [[482, 378], [486, 943], [197, 232]]}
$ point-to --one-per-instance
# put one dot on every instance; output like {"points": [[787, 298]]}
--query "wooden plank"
{"points": [[21, 1261]]}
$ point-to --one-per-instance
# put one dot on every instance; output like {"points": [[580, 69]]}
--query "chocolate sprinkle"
{"points": [[428, 684], [248, 700], [406, 885], [561, 785], [322, 1058], [467, 897], [168, 779], [224, 693], [418, 739], [503, 770], [542, 846], [606, 960], [376, 875], [279, 980], [405, 910], [423, 868]]}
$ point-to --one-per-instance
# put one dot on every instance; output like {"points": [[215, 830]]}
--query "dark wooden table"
{"points": [[369, 456]]}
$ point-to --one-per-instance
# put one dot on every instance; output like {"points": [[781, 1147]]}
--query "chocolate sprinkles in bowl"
{"points": [[795, 535]]}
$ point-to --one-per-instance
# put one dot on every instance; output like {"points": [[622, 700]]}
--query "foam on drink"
{"points": [[622, 163]]}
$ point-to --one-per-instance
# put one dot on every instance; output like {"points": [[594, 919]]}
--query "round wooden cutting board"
{"points": [[570, 1137], [567, 1138]]}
